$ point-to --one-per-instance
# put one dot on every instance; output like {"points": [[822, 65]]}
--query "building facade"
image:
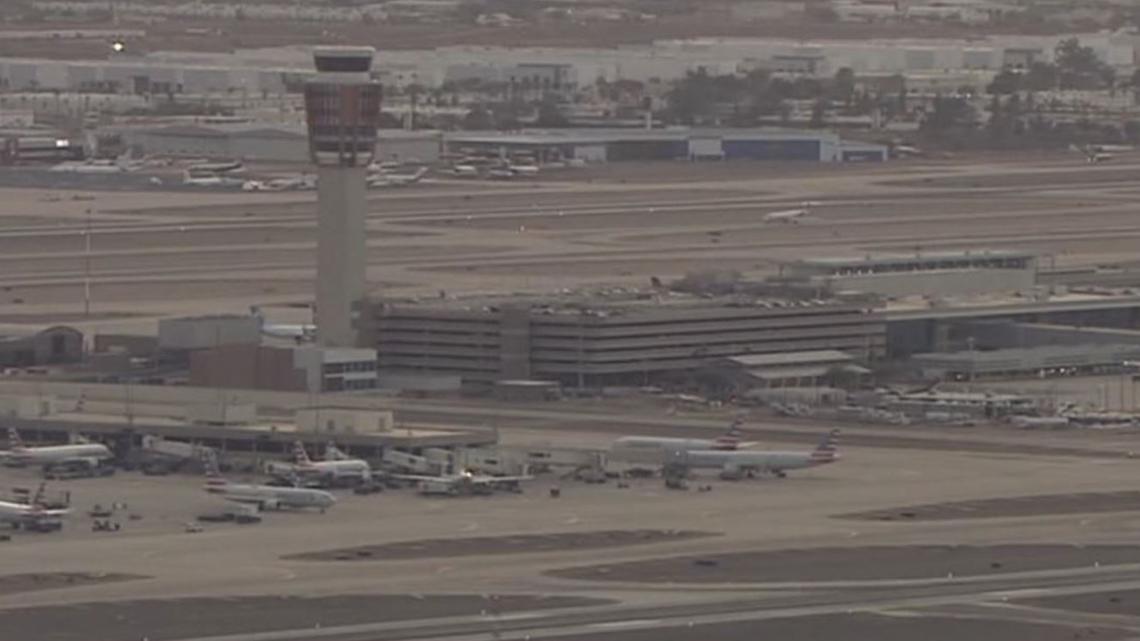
{"points": [[603, 344]]}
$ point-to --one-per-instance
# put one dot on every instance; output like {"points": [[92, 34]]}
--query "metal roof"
{"points": [[811, 357]]}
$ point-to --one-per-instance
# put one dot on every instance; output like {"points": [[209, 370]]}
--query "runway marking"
{"points": [[626, 624]]}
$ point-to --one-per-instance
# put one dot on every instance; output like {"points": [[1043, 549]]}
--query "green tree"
{"points": [[550, 116], [949, 113], [1041, 76], [818, 114], [1006, 82], [1080, 68], [478, 119], [843, 85]]}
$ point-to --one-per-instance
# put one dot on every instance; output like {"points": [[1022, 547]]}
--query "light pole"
{"points": [[87, 265]]}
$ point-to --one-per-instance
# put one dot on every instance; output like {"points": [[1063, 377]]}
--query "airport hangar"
{"points": [[673, 143], [282, 142]]}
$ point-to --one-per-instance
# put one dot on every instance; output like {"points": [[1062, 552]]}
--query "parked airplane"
{"points": [[216, 168], [297, 332], [1093, 153], [295, 183], [730, 440], [466, 482], [265, 497], [223, 182], [737, 463], [30, 516], [465, 171], [331, 469], [523, 170], [83, 451], [789, 215], [381, 181]]}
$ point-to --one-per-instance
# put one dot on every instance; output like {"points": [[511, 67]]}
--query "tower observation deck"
{"points": [[342, 106]]}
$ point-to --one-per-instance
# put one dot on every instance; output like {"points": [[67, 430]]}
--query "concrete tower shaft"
{"points": [[342, 106]]}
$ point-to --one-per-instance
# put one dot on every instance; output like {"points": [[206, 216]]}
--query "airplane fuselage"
{"points": [[57, 454], [773, 462], [270, 497]]}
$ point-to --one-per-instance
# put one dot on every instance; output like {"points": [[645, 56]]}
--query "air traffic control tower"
{"points": [[342, 106]]}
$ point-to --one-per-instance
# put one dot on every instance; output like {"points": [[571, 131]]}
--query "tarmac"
{"points": [[158, 252], [1050, 509]]}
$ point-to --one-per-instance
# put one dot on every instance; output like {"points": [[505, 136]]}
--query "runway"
{"points": [[152, 251]]}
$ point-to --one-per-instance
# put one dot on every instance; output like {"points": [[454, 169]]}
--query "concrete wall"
{"points": [[246, 367], [332, 420], [340, 252], [207, 331]]}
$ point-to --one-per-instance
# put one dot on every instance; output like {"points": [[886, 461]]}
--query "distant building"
{"points": [[933, 274], [287, 369], [254, 141], [1046, 361], [584, 341], [794, 369], [600, 145], [51, 346]]}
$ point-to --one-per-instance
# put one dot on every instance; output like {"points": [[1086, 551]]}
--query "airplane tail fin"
{"points": [[14, 440], [37, 501], [334, 453], [730, 440], [213, 471], [300, 456], [826, 451]]}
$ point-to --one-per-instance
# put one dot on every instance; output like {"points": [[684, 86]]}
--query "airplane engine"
{"points": [[731, 472], [269, 504]]}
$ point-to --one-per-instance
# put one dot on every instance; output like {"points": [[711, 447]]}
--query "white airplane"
{"points": [[29, 515], [265, 497], [334, 467], [737, 463], [191, 180], [300, 183], [789, 215], [297, 332], [466, 482], [382, 181], [465, 171], [224, 167], [1094, 154], [730, 440], [83, 451], [523, 170]]}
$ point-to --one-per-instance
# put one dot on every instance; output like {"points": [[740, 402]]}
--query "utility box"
{"points": [[222, 413], [332, 420]]}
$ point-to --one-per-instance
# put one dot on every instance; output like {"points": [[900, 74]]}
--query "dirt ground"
{"points": [[480, 546], [862, 627], [14, 583], [157, 620], [1040, 505], [857, 563]]}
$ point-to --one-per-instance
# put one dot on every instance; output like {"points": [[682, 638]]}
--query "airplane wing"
{"points": [[490, 480], [424, 478]]}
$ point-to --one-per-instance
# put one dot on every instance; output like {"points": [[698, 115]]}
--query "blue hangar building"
{"points": [[612, 145]]}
